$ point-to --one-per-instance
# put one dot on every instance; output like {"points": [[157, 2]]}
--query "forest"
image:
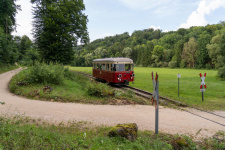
{"points": [[58, 29], [196, 47]]}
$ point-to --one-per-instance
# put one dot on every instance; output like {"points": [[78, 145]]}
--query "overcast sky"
{"points": [[110, 17]]}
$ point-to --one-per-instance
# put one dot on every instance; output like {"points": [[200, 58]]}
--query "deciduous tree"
{"points": [[190, 52], [58, 26]]}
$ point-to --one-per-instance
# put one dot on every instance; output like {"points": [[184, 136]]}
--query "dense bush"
{"points": [[44, 73], [172, 64], [221, 73]]}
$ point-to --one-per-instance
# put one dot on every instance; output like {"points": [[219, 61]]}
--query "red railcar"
{"points": [[114, 70]]}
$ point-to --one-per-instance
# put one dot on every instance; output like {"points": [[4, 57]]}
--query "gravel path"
{"points": [[170, 120]]}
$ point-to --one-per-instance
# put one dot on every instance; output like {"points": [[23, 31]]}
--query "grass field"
{"points": [[26, 133], [214, 96]]}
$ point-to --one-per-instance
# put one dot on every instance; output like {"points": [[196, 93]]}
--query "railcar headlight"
{"points": [[120, 75], [133, 74], [119, 79]]}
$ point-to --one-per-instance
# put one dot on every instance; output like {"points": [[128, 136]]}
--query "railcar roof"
{"points": [[113, 60]]}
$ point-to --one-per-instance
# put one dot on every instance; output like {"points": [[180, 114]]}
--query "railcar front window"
{"points": [[95, 67], [120, 67], [99, 66], [128, 67]]}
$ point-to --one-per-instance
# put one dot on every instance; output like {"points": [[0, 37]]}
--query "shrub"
{"points": [[165, 64], [43, 73], [221, 73], [208, 66], [172, 64], [183, 64], [160, 64]]}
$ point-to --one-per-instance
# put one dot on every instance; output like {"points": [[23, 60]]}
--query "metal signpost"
{"points": [[178, 76], [202, 83], [155, 98]]}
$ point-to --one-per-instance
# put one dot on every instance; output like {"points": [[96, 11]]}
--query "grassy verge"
{"points": [[214, 96], [5, 68], [26, 133], [71, 88]]}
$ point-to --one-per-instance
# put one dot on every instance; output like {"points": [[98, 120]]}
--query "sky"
{"points": [[111, 17]]}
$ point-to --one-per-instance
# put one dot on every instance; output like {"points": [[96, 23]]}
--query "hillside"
{"points": [[196, 47]]}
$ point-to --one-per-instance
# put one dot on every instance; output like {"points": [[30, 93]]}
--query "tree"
{"points": [[100, 53], [8, 51], [216, 50], [178, 47], [190, 52], [88, 59], [158, 53], [33, 55], [8, 10], [25, 44], [58, 25], [127, 52], [203, 57]]}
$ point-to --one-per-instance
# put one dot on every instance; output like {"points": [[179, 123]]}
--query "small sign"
{"points": [[202, 90], [179, 75]]}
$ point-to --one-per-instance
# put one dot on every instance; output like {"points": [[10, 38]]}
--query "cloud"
{"points": [[205, 7]]}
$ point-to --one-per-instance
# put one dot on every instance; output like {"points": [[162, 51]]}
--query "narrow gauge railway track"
{"points": [[148, 95]]}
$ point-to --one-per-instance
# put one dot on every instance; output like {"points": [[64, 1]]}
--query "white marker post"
{"points": [[155, 98], [202, 83], [178, 76]]}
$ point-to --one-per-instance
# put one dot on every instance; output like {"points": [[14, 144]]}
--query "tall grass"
{"points": [[26, 133]]}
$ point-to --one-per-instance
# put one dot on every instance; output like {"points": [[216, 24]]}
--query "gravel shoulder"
{"points": [[170, 120]]}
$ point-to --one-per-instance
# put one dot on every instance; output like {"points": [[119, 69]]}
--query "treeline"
{"points": [[13, 48], [196, 47], [57, 27]]}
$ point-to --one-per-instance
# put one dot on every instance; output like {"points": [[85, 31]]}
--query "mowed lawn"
{"points": [[214, 96]]}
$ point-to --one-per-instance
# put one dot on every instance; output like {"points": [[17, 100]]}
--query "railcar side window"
{"points": [[113, 67], [128, 67], [107, 67], [103, 66]]}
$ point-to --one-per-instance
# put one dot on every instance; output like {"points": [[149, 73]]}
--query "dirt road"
{"points": [[170, 121]]}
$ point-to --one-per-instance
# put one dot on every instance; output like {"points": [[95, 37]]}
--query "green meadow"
{"points": [[214, 96]]}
